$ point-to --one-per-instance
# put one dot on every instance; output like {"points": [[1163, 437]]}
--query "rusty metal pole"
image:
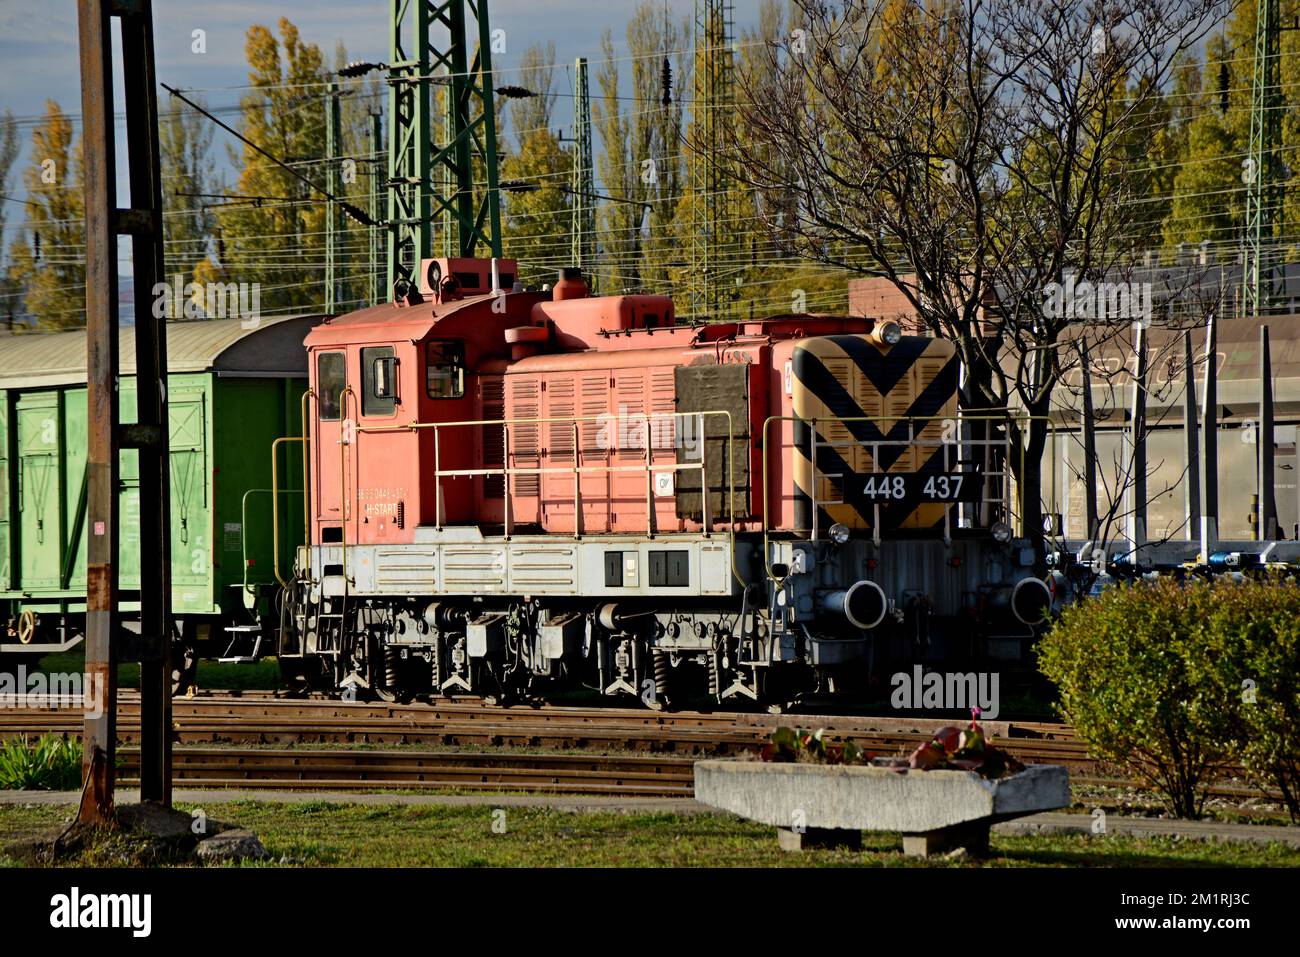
{"points": [[106, 436]]}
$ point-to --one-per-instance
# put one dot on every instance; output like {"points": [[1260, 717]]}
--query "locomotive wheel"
{"points": [[776, 690], [185, 668], [185, 659], [303, 674], [293, 673]]}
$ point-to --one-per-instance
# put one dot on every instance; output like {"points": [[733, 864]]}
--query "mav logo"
{"points": [[76, 910]]}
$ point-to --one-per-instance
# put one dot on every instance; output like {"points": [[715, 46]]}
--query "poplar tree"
{"points": [[276, 236], [49, 258]]}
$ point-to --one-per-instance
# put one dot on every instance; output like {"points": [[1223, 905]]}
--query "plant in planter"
{"points": [[964, 749], [951, 748], [788, 746]]}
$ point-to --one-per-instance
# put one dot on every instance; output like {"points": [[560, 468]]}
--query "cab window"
{"points": [[445, 369], [330, 368], [378, 381]]}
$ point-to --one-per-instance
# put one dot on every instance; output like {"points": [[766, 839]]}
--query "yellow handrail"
{"points": [[306, 498], [275, 503], [243, 517]]}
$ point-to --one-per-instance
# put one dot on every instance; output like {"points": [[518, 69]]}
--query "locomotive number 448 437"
{"points": [[920, 487]]}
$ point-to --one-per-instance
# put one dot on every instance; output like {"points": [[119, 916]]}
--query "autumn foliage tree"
{"points": [[277, 237], [535, 213], [48, 259]]}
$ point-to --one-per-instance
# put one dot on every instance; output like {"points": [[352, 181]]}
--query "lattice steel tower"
{"points": [[448, 44], [583, 182], [1263, 173], [712, 209]]}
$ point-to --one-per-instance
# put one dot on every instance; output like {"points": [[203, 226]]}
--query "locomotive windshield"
{"points": [[445, 369], [329, 383]]}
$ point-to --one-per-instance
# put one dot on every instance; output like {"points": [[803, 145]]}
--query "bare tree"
{"points": [[977, 153]]}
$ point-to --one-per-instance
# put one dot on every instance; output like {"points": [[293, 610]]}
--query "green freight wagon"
{"points": [[233, 388]]}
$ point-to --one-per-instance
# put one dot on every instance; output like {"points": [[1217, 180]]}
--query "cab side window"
{"points": [[378, 381], [445, 369], [330, 380]]}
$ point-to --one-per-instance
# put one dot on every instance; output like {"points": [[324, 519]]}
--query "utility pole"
{"points": [[460, 61], [333, 138], [1262, 171], [714, 112], [583, 190], [107, 437]]}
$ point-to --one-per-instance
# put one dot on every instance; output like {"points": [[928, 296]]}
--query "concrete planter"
{"points": [[820, 805]]}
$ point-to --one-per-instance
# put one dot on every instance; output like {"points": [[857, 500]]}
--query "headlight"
{"points": [[839, 533], [1001, 532]]}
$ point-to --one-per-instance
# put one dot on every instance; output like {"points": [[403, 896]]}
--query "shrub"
{"points": [[1137, 680], [1254, 649], [50, 763]]}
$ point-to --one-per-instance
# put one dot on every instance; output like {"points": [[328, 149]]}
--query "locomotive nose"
{"points": [[863, 604], [1030, 600]]}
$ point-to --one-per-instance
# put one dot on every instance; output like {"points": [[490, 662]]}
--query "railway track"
{"points": [[230, 741], [266, 720], [350, 770]]}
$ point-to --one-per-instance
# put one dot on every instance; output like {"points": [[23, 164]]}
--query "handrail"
{"points": [[243, 519], [306, 448], [508, 471], [960, 418], [343, 478], [275, 502]]}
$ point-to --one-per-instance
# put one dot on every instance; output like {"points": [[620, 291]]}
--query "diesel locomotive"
{"points": [[514, 490]]}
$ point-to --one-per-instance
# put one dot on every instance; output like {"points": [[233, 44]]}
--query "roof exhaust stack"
{"points": [[570, 285]]}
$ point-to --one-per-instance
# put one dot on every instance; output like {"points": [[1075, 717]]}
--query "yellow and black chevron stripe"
{"points": [[849, 376]]}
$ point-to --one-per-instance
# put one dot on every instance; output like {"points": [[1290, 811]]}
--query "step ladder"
{"points": [[239, 636]]}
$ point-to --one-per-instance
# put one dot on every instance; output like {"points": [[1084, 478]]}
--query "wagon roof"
{"points": [[273, 349]]}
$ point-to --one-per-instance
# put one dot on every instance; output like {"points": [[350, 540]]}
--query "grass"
{"points": [[49, 763], [353, 835]]}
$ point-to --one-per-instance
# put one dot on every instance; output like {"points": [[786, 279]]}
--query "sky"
{"points": [[39, 53], [39, 60]]}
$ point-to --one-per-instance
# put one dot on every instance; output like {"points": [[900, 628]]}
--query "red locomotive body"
{"points": [[584, 387], [510, 486]]}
